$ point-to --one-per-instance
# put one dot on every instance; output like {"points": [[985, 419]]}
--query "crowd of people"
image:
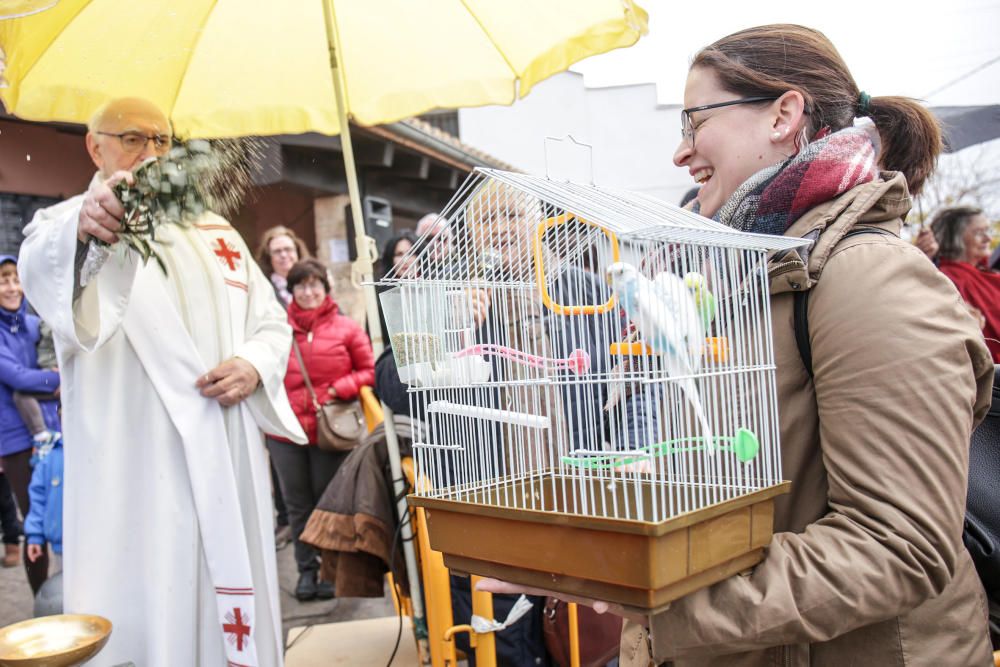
{"points": [[866, 563]]}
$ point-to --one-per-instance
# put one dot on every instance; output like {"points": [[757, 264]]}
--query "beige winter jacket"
{"points": [[867, 565]]}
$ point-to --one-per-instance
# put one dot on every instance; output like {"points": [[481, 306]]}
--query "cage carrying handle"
{"points": [[539, 247]]}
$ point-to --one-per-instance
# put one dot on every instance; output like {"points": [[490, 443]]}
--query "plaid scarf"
{"points": [[772, 199]]}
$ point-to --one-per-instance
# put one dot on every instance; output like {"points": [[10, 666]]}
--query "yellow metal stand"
{"points": [[371, 408], [437, 593], [574, 636]]}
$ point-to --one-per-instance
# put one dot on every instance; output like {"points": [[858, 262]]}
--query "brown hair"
{"points": [[773, 59], [949, 225], [306, 270], [264, 252]]}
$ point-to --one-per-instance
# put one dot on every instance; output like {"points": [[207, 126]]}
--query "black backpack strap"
{"points": [[800, 318], [801, 321]]}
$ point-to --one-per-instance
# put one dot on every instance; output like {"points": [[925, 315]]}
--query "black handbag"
{"points": [[340, 425], [982, 510]]}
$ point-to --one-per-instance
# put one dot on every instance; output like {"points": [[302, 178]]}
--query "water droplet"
{"points": [[29, 157]]}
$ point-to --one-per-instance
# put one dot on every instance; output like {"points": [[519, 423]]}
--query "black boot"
{"points": [[324, 590], [306, 589]]}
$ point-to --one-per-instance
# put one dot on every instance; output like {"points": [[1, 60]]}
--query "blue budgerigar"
{"points": [[668, 320]]}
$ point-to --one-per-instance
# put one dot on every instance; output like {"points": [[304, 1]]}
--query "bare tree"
{"points": [[970, 177]]}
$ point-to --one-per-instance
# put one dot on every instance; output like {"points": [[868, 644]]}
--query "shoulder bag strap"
{"points": [[801, 306], [801, 320], [305, 374]]}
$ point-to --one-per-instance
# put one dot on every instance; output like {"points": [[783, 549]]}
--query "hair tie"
{"points": [[864, 100]]}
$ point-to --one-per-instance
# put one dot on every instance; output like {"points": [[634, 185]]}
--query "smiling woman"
{"points": [[769, 133], [20, 378], [331, 360], [752, 107], [866, 565], [965, 236], [280, 248]]}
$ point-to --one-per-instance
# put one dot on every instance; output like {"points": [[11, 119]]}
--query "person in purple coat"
{"points": [[19, 372]]}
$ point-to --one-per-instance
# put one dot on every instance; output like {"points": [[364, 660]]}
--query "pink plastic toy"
{"points": [[578, 360]]}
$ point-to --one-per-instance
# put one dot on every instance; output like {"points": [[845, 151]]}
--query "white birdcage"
{"points": [[596, 376]]}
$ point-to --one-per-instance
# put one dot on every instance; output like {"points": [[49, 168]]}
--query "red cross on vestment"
{"points": [[236, 627], [227, 254]]}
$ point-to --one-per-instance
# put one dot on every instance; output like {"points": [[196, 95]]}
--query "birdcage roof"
{"points": [[627, 215]]}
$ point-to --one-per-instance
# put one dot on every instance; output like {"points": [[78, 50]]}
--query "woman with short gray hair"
{"points": [[949, 226], [964, 235]]}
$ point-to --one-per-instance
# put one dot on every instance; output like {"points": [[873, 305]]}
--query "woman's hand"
{"points": [[600, 606], [977, 315], [35, 552], [927, 243]]}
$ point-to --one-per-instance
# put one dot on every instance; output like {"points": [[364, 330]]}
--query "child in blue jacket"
{"points": [[44, 521]]}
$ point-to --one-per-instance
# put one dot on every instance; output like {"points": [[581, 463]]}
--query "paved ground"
{"points": [[15, 596], [16, 603]]}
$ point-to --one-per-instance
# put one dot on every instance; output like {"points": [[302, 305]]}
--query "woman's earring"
{"points": [[776, 135]]}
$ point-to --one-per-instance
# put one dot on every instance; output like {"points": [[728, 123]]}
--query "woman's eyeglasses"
{"points": [[687, 126]]}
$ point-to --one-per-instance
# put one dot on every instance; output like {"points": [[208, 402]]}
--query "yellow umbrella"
{"points": [[225, 68], [262, 67]]}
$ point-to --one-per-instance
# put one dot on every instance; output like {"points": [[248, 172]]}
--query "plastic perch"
{"points": [[744, 446], [489, 414], [578, 360]]}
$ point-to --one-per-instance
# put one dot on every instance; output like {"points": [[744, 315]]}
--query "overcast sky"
{"points": [[912, 48]]}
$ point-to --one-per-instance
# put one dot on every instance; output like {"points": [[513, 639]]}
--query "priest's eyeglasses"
{"points": [[135, 142], [688, 127]]}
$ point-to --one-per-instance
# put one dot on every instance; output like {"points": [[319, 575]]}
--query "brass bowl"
{"points": [[53, 641]]}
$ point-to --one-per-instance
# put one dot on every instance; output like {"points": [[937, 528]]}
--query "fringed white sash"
{"points": [[158, 334]]}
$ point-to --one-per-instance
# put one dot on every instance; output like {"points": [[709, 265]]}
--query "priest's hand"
{"points": [[230, 382], [101, 213]]}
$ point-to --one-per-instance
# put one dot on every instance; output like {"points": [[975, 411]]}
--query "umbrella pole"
{"points": [[363, 269]]}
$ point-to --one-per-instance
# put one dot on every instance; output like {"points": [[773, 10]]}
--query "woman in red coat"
{"points": [[963, 234], [338, 358]]}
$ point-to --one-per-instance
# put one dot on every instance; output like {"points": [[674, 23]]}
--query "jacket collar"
{"points": [[880, 203], [13, 321], [305, 321]]}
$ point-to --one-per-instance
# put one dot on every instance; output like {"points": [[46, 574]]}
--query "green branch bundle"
{"points": [[193, 177]]}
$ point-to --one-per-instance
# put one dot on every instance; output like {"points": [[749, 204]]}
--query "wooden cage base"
{"points": [[641, 565]]}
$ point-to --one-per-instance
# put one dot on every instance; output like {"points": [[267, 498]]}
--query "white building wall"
{"points": [[633, 137]]}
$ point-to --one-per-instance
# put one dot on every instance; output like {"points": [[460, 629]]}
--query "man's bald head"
{"points": [[122, 115], [132, 116]]}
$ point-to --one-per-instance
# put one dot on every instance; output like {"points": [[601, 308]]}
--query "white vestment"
{"points": [[130, 348]]}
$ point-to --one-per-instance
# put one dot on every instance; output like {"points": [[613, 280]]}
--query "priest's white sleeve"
{"points": [[267, 345], [82, 319]]}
